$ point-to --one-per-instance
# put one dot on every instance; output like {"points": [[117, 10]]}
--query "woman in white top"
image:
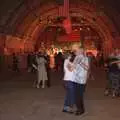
{"points": [[69, 84]]}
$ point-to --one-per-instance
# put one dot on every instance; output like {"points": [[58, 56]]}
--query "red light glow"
{"points": [[67, 25]]}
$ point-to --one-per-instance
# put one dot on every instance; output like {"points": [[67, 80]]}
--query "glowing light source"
{"points": [[80, 28]]}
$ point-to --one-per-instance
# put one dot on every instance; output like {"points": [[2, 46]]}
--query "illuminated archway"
{"points": [[30, 28]]}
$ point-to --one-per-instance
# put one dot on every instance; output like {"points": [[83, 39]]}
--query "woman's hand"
{"points": [[70, 67]]}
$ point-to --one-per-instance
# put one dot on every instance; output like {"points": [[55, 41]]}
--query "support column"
{"points": [[2, 43], [2, 48]]}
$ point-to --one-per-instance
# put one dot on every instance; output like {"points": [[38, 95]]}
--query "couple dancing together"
{"points": [[76, 67]]}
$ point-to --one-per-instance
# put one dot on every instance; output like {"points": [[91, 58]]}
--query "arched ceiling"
{"points": [[22, 17], [9, 9]]}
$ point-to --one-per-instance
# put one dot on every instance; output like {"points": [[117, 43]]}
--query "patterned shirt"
{"points": [[81, 63]]}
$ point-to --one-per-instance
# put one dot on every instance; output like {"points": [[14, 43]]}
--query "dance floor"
{"points": [[20, 101]]}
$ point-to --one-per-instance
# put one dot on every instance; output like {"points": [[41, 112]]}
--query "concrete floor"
{"points": [[19, 101]]}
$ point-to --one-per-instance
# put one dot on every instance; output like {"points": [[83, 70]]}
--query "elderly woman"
{"points": [[41, 70], [69, 83]]}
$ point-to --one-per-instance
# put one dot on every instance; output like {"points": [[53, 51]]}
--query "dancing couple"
{"points": [[76, 67]]}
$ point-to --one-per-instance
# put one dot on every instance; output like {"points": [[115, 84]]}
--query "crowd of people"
{"points": [[76, 66], [35, 63]]}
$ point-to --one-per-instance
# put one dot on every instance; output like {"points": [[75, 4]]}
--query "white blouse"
{"points": [[68, 75]]}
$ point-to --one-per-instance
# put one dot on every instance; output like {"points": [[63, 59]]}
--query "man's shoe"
{"points": [[79, 113]]}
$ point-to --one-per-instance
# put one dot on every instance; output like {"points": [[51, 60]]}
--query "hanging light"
{"points": [[67, 25]]}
